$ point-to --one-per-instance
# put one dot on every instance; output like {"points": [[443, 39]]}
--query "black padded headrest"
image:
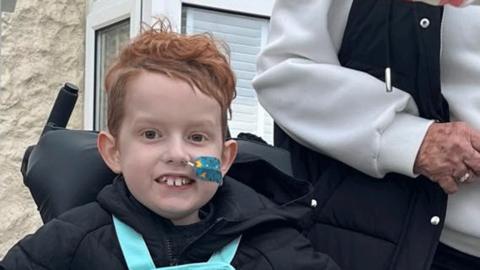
{"points": [[65, 170]]}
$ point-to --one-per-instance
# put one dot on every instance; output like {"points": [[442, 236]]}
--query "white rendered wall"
{"points": [[42, 47]]}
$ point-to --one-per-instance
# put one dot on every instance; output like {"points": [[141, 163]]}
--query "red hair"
{"points": [[199, 60]]}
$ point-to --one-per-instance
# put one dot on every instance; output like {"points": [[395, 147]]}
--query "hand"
{"points": [[448, 152]]}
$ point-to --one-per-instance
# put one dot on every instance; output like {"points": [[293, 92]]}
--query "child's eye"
{"points": [[197, 137], [150, 134]]}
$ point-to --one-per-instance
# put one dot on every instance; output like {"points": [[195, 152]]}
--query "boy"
{"points": [[168, 99]]}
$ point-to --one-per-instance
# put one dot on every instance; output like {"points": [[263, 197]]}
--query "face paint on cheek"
{"points": [[207, 168]]}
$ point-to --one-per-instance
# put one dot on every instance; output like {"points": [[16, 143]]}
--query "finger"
{"points": [[475, 139], [473, 162], [460, 171], [471, 179], [448, 184], [464, 177]]}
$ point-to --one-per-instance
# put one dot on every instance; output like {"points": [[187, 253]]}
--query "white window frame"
{"points": [[102, 13], [173, 8]]}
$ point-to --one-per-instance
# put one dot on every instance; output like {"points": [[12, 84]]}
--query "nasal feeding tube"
{"points": [[207, 168]]}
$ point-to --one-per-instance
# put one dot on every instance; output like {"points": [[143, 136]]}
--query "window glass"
{"points": [[109, 41]]}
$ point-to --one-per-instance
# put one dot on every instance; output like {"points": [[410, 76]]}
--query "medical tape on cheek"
{"points": [[207, 168]]}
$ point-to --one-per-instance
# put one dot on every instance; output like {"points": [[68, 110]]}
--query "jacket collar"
{"points": [[234, 209]]}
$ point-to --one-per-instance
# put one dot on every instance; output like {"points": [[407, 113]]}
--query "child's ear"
{"points": [[108, 150], [230, 148]]}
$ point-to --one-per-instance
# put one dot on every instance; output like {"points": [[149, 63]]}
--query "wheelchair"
{"points": [[65, 170]]}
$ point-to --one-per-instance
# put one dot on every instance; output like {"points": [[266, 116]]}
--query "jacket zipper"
{"points": [[171, 259], [201, 235]]}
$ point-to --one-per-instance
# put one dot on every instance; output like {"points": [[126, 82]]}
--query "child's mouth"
{"points": [[176, 181]]}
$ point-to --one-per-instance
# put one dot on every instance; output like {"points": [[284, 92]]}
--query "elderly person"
{"points": [[379, 104]]}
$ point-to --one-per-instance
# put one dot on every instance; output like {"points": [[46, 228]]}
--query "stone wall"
{"points": [[42, 46]]}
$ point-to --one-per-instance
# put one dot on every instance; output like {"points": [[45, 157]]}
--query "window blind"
{"points": [[245, 36]]}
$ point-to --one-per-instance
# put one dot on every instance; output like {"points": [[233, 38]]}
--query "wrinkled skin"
{"points": [[448, 152]]}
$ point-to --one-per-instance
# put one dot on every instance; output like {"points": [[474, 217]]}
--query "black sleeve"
{"points": [[280, 249], [51, 247]]}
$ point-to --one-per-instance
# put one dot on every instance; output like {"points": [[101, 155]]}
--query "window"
{"points": [[242, 24], [245, 36], [7, 5], [109, 40], [110, 23]]}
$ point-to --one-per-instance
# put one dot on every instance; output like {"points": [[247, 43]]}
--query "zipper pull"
{"points": [[388, 79]]}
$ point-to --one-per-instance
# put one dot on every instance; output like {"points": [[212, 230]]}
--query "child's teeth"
{"points": [[175, 181]]}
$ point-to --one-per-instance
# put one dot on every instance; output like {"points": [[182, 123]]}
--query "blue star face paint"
{"points": [[207, 168]]}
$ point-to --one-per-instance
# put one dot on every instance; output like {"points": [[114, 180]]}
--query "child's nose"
{"points": [[176, 153]]}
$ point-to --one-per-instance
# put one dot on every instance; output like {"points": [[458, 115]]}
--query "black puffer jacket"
{"points": [[84, 238]]}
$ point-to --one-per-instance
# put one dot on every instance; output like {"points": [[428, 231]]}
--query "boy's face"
{"points": [[165, 124]]}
